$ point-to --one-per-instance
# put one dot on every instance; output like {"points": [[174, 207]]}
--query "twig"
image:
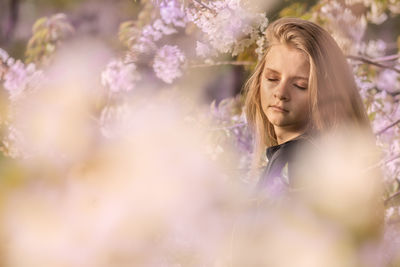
{"points": [[381, 163], [391, 159], [204, 5], [372, 62], [387, 58], [386, 201], [387, 127]]}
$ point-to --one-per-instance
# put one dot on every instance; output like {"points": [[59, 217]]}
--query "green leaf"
{"points": [[372, 116], [39, 24], [294, 10]]}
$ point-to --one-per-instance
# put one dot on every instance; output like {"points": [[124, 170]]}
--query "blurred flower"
{"points": [[114, 120], [3, 59], [388, 80], [339, 17], [19, 77], [168, 63], [345, 184], [372, 48], [171, 12], [224, 23], [3, 55], [119, 76], [203, 50], [172, 15]]}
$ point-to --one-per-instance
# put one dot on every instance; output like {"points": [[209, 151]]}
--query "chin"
{"points": [[277, 121]]}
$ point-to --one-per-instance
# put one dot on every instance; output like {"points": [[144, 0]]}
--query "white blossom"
{"points": [[171, 15], [3, 59], [388, 80], [372, 48], [143, 46], [225, 23], [340, 17], [3, 55], [172, 12], [203, 50], [19, 76], [119, 76], [163, 28], [168, 63]]}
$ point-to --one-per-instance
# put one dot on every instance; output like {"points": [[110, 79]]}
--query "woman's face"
{"points": [[284, 89]]}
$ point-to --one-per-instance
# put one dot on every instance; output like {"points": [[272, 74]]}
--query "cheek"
{"points": [[304, 106], [265, 97]]}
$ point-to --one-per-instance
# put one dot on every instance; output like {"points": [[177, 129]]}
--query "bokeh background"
{"points": [[123, 141]]}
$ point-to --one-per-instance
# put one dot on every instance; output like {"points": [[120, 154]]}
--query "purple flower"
{"points": [[119, 76], [3, 55], [19, 76], [172, 13], [168, 63]]}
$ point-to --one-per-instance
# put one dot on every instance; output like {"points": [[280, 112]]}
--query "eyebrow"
{"points": [[295, 77]]}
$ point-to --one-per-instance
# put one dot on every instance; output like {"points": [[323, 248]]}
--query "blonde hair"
{"points": [[334, 97]]}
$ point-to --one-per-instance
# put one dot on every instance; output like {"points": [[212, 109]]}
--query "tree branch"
{"points": [[204, 5], [373, 62], [387, 127], [387, 58]]}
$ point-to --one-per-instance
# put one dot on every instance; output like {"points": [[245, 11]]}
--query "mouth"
{"points": [[278, 108]]}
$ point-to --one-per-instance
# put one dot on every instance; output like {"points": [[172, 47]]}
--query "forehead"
{"points": [[288, 61]]}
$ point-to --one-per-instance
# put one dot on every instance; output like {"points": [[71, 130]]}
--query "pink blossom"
{"points": [[172, 13], [168, 63], [226, 24], [3, 55], [19, 76], [119, 76]]}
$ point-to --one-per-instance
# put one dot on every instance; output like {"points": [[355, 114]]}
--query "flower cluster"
{"points": [[120, 76], [376, 9], [372, 48], [227, 26], [338, 17], [383, 110], [17, 76], [172, 16], [3, 59], [168, 63], [172, 12]]}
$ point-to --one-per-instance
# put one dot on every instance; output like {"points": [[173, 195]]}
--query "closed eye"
{"points": [[300, 87], [272, 80]]}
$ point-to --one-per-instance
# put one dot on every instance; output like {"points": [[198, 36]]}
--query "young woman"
{"points": [[303, 86]]}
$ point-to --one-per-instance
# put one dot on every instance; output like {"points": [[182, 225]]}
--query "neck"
{"points": [[283, 136]]}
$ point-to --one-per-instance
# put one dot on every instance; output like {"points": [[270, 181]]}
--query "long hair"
{"points": [[334, 97]]}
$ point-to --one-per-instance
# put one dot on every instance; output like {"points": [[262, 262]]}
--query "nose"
{"points": [[282, 91]]}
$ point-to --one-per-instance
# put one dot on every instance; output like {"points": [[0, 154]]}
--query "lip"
{"points": [[278, 108]]}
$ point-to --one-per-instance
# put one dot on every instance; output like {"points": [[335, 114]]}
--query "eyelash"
{"points": [[300, 87]]}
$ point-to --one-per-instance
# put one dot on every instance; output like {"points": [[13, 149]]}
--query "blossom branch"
{"points": [[392, 197], [387, 127], [373, 62], [387, 58], [394, 93], [204, 5]]}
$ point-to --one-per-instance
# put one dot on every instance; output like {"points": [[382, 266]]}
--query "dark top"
{"points": [[276, 179]]}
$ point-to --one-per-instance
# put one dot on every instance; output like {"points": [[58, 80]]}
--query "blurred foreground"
{"points": [[146, 185]]}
